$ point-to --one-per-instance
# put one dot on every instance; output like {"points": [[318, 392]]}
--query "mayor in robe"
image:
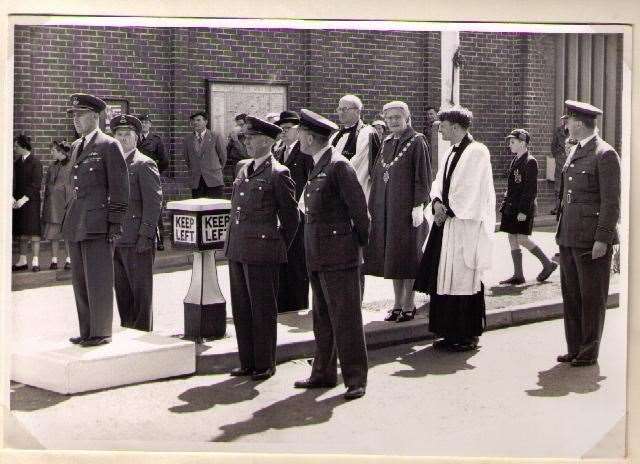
{"points": [[459, 246]]}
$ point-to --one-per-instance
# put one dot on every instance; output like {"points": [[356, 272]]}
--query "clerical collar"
{"points": [[352, 126], [586, 140], [320, 154], [461, 140], [258, 161]]}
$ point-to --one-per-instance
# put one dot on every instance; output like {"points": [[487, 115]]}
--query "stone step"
{"points": [[132, 357]]}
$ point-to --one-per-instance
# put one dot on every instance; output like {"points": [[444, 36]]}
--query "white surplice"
{"points": [[360, 160], [467, 240]]}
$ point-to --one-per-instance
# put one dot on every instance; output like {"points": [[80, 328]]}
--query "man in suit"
{"points": [[589, 213], [293, 291], [134, 253], [206, 155], [263, 194], [150, 144], [97, 198], [336, 228]]}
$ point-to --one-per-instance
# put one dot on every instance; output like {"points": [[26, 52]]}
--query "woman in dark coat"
{"points": [[27, 180], [518, 207], [401, 181], [55, 199]]}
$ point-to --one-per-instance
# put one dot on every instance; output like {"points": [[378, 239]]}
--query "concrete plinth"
{"points": [[132, 357]]}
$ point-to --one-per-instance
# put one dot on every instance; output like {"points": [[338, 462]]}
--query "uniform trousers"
{"points": [[254, 304], [133, 274], [337, 327], [92, 278], [585, 288]]}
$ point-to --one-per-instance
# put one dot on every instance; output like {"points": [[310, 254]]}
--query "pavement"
{"points": [[49, 312]]}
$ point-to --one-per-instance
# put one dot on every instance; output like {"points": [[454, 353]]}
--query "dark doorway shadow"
{"points": [[563, 379], [296, 411], [233, 390], [428, 361], [27, 399]]}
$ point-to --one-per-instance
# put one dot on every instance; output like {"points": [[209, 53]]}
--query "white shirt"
{"points": [[580, 144]]}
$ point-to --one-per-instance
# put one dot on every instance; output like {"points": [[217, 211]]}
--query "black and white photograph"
{"points": [[364, 238]]}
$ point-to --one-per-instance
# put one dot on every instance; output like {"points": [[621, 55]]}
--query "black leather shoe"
{"points": [[565, 358], [546, 272], [241, 372], [354, 393], [160, 246], [311, 383], [512, 281], [393, 315], [53, 266], [263, 375], [77, 340], [67, 266], [583, 362], [407, 315], [15, 268], [95, 341], [466, 345], [35, 268], [443, 344]]}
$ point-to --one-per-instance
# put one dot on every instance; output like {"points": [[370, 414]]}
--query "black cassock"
{"points": [[293, 293]]}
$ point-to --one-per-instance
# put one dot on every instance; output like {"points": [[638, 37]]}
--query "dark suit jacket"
{"points": [[522, 186], [258, 201], [153, 147], [208, 162], [145, 199], [299, 164], [100, 189], [590, 207], [336, 216]]}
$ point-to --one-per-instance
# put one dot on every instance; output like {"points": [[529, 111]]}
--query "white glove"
{"points": [[417, 214], [21, 201]]}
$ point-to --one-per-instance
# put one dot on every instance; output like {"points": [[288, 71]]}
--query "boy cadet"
{"points": [[589, 212], [134, 253], [336, 229], [263, 194], [97, 198]]}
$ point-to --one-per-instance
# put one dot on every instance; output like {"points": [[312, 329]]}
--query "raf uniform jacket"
{"points": [[336, 216], [299, 165], [153, 147], [99, 186], [590, 206], [258, 201], [145, 199], [206, 162]]}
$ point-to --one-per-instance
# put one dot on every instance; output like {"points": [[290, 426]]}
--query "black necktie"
{"points": [[81, 147], [250, 169]]}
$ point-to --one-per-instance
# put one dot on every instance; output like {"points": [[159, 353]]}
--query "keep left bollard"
{"points": [[200, 224]]}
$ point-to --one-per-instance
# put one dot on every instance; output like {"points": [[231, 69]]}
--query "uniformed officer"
{"points": [[263, 194], [336, 228], [97, 198], [135, 251], [151, 145], [589, 213]]}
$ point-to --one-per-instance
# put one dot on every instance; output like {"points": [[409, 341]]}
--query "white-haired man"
{"points": [[356, 141]]}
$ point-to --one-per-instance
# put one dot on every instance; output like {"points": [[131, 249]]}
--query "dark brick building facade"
{"points": [[507, 79]]}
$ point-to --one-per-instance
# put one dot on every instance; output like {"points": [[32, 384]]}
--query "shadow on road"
{"points": [[563, 379], [299, 323], [233, 390], [296, 411], [26, 398], [428, 361], [500, 290]]}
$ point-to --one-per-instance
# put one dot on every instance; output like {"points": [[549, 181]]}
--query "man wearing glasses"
{"points": [[356, 141]]}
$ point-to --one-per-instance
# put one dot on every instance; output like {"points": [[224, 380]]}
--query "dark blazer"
{"points": [[153, 147], [145, 199], [299, 164], [590, 207], [336, 216], [99, 189], [258, 201], [27, 180], [208, 162], [522, 186]]}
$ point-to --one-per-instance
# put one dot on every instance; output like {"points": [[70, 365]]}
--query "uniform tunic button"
{"points": [[308, 194], [569, 190], [572, 165], [246, 180], [238, 208], [334, 232], [263, 236], [75, 177], [570, 178], [75, 188], [241, 194]]}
